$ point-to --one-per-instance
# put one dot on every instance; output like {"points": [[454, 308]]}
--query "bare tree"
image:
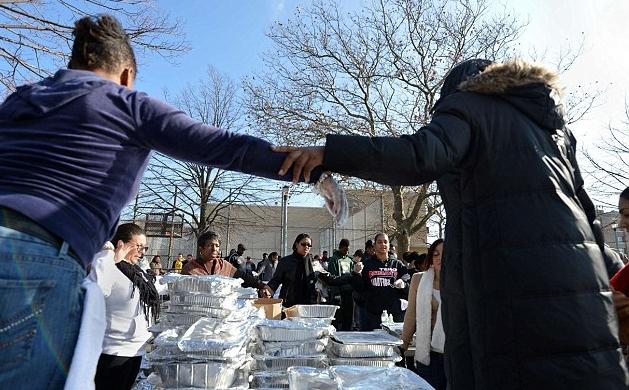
{"points": [[36, 36], [373, 72], [202, 191], [610, 160]]}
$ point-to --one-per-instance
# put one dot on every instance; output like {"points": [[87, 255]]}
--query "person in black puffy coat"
{"points": [[525, 277]]}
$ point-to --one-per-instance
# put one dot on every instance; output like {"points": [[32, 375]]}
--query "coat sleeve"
{"points": [[410, 322], [612, 262], [275, 282], [103, 270], [173, 133], [410, 159], [333, 266], [249, 280]]}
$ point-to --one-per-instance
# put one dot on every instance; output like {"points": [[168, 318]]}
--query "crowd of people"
{"points": [[517, 296]]}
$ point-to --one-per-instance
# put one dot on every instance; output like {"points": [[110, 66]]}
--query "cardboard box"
{"points": [[272, 307]]}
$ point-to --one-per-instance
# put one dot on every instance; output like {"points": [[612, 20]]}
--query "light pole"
{"points": [[615, 231], [285, 195]]}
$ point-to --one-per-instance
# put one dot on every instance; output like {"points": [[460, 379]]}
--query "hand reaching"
{"points": [[300, 159], [266, 292], [122, 250]]}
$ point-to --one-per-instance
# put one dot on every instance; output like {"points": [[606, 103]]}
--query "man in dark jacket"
{"points": [[341, 264], [73, 148], [266, 268], [526, 297]]}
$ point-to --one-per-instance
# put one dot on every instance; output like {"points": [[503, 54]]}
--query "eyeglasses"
{"points": [[305, 244]]}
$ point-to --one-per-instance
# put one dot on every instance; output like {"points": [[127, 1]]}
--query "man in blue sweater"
{"points": [[73, 148]]}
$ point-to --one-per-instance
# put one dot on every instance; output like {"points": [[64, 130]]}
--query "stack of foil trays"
{"points": [[375, 348], [206, 334], [282, 344]]}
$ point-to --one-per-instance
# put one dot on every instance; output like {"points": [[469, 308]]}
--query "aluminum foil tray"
{"points": [[246, 293], [309, 378], [153, 380], [313, 321], [170, 355], [361, 350], [273, 330], [311, 311], [373, 337], [177, 319], [376, 378], [270, 363], [204, 300], [270, 380], [210, 284], [204, 375], [288, 349], [207, 328], [371, 362], [170, 337]]}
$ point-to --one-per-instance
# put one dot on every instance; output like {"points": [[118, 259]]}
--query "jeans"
{"points": [[41, 303]]}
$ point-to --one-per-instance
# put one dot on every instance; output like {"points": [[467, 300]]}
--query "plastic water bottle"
{"points": [[390, 318], [384, 318]]}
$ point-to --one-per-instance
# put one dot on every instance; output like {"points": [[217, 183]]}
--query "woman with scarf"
{"points": [[296, 274], [132, 302], [423, 319]]}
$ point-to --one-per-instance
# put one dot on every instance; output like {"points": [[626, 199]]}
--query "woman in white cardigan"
{"points": [[423, 319]]}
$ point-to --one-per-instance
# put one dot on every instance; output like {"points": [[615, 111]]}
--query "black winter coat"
{"points": [[295, 292], [526, 298]]}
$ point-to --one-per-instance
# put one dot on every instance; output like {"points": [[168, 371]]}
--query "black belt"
{"points": [[13, 220]]}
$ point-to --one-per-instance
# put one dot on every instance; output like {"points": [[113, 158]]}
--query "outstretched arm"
{"points": [[408, 160]]}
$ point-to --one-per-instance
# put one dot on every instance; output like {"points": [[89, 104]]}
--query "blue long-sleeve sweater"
{"points": [[74, 146]]}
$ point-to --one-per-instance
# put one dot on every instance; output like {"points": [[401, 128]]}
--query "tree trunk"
{"points": [[401, 224]]}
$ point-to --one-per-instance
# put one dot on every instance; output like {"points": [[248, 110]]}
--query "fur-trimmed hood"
{"points": [[532, 88]]}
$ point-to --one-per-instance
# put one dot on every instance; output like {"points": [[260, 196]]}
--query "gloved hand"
{"points": [[399, 284]]}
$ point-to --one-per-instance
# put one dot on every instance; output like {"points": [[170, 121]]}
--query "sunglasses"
{"points": [[305, 244]]}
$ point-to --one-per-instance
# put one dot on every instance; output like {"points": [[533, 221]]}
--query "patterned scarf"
{"points": [[145, 283]]}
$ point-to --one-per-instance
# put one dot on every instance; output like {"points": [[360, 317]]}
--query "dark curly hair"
{"points": [[100, 42]]}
